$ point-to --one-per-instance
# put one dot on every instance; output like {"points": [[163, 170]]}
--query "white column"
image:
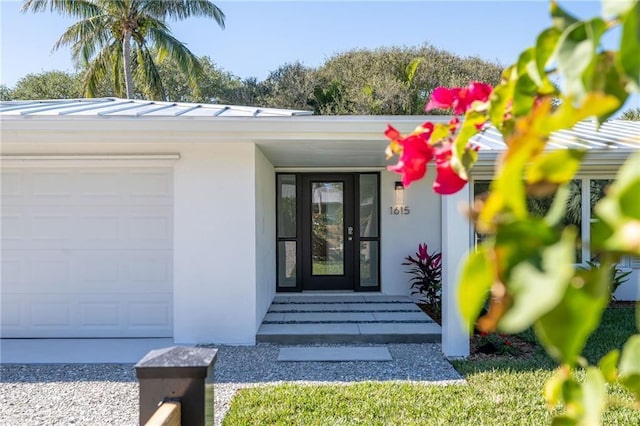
{"points": [[214, 270], [455, 245]]}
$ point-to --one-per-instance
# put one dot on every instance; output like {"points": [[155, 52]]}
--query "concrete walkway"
{"points": [[346, 318], [77, 351]]}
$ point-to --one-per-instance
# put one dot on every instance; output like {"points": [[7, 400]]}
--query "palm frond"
{"points": [[145, 71], [97, 70], [79, 8], [86, 37], [182, 9], [177, 51]]}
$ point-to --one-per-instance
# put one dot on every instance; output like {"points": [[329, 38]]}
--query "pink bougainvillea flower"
{"points": [[447, 180], [415, 152], [443, 98], [459, 98]]}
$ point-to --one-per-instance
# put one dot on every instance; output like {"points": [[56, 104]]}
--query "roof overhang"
{"points": [[287, 141]]}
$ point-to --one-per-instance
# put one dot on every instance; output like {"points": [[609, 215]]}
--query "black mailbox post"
{"points": [[178, 373]]}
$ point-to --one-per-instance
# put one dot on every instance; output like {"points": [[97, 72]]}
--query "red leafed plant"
{"points": [[426, 280]]}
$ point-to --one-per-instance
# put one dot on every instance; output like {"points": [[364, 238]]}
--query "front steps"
{"points": [[346, 318]]}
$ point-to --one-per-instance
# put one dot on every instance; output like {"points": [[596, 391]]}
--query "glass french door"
{"points": [[328, 231]]}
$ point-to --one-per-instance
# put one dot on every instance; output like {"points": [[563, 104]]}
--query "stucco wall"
{"points": [[265, 192], [401, 234]]}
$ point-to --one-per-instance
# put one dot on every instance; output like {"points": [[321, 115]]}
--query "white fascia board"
{"points": [[204, 129]]}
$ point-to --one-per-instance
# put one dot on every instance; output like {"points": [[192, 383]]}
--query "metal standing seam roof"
{"points": [[616, 134], [136, 108], [613, 134]]}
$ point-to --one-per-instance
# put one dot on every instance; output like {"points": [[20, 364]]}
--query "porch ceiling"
{"points": [[326, 153]]}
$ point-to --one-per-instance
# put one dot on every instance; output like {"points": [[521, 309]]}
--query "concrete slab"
{"points": [[78, 351], [334, 354], [307, 329], [399, 328], [304, 298], [289, 307], [273, 316], [330, 316], [385, 298], [401, 316], [280, 299], [372, 307]]}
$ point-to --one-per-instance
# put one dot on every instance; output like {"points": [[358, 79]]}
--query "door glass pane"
{"points": [[327, 228], [368, 205], [287, 263], [369, 264], [286, 206]]}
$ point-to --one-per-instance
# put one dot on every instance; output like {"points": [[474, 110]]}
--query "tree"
{"points": [[632, 114], [47, 85], [289, 86], [394, 80], [127, 39], [213, 86], [5, 93]]}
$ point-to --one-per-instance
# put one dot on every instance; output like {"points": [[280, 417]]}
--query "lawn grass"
{"points": [[496, 392]]}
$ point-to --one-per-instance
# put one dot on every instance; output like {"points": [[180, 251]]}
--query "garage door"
{"points": [[86, 251]]}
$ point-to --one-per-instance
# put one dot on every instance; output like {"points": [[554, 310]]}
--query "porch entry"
{"points": [[328, 231]]}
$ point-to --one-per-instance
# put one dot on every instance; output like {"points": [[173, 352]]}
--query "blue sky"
{"points": [[261, 35]]}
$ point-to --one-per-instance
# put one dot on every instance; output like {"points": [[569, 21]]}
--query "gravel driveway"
{"points": [[107, 394]]}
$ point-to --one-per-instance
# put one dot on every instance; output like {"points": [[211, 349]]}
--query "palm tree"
{"points": [[124, 39]]}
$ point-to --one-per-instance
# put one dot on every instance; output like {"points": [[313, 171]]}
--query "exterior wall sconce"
{"points": [[399, 189]]}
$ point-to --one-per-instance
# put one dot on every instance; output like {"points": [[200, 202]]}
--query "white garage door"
{"points": [[86, 251]]}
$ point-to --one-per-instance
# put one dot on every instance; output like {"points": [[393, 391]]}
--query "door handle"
{"points": [[350, 233]]}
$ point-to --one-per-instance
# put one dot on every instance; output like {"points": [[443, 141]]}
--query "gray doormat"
{"points": [[335, 353]]}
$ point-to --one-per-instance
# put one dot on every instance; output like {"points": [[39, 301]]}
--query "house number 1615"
{"points": [[399, 210]]}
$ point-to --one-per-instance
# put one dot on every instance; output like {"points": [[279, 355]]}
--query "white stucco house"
{"points": [[126, 218]]}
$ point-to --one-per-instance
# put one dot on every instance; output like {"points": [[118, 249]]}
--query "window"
{"points": [[577, 207]]}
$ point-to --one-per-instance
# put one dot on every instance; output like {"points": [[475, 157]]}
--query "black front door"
{"points": [[328, 232]]}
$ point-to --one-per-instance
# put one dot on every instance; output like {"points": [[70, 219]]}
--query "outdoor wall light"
{"points": [[399, 189]]}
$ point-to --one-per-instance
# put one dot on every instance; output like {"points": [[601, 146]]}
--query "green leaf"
{"points": [[608, 80], [595, 392], [536, 289], [630, 199], [630, 44], [469, 128], [563, 421], [476, 280], [567, 115], [573, 396], [546, 45], [556, 166], [565, 330], [576, 55], [616, 7], [617, 227], [558, 207], [440, 131], [553, 387], [629, 368], [501, 97], [608, 364], [561, 19]]}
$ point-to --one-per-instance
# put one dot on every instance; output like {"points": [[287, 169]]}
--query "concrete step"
{"points": [[349, 318], [349, 333]]}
